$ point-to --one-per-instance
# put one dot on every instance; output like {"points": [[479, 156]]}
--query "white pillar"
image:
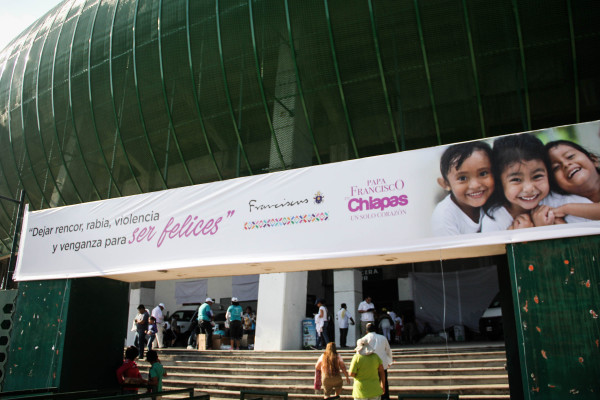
{"points": [[347, 288], [138, 296], [280, 311]]}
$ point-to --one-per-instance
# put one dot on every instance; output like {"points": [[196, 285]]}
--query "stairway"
{"points": [[473, 370]]}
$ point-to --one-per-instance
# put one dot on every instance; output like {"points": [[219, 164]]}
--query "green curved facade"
{"points": [[108, 98]]}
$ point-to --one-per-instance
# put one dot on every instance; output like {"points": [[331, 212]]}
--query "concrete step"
{"points": [[185, 368], [452, 348], [296, 392], [308, 356], [397, 365], [303, 363], [226, 395], [473, 371], [306, 383]]}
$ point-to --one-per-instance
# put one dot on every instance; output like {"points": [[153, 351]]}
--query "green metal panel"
{"points": [[52, 102], [85, 91], [168, 104], [236, 122], [36, 345], [262, 88], [338, 79], [384, 85], [61, 328], [97, 320], [195, 94], [60, 84], [556, 293], [574, 56], [44, 199], [427, 73], [299, 84], [31, 123], [474, 64], [7, 308], [112, 72]]}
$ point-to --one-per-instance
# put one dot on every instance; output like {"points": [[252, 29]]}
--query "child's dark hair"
{"points": [[151, 356], [593, 157], [131, 353], [152, 319], [510, 150], [455, 155]]}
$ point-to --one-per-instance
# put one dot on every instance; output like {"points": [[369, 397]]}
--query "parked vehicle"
{"points": [[490, 323], [187, 319], [184, 317]]}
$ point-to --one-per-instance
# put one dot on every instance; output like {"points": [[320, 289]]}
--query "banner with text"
{"points": [[447, 196]]}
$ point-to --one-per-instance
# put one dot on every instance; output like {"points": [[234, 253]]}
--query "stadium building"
{"points": [[102, 99]]}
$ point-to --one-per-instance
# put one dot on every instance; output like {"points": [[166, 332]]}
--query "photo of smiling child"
{"points": [[466, 170], [575, 171], [523, 197]]}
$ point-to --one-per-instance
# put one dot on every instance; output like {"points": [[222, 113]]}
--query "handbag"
{"points": [[317, 384], [133, 326]]}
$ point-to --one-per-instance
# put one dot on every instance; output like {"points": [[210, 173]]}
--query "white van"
{"points": [[187, 317]]}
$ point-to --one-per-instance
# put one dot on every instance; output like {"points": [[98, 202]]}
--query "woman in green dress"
{"points": [[367, 369]]}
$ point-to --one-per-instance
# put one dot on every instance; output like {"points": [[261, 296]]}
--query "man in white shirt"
{"points": [[382, 348], [366, 310], [344, 319], [322, 325], [157, 313]]}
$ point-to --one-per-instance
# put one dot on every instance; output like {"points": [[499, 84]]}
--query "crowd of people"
{"points": [[154, 330], [239, 323], [130, 377], [368, 367], [373, 354], [386, 321]]}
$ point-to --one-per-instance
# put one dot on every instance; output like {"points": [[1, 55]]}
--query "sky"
{"points": [[17, 15]]}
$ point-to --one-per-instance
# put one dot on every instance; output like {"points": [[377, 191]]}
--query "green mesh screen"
{"points": [[556, 294]]}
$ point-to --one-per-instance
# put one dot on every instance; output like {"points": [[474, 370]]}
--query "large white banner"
{"points": [[364, 207]]}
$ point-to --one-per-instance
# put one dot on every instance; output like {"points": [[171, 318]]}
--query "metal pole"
{"points": [[8, 281], [8, 198]]}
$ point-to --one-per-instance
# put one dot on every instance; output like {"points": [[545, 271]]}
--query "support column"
{"points": [[280, 311], [347, 288], [138, 295]]}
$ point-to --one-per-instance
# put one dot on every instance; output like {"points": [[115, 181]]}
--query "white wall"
{"points": [[219, 288], [405, 289], [165, 292]]}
